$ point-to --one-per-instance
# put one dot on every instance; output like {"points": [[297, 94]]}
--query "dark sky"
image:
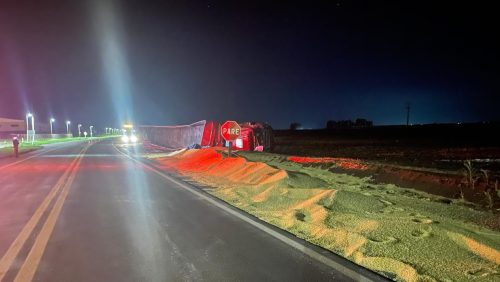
{"points": [[172, 62]]}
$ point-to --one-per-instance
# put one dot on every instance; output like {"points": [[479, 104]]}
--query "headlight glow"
{"points": [[133, 138], [125, 139]]}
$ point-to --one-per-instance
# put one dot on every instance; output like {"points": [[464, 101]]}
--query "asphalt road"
{"points": [[85, 212]]}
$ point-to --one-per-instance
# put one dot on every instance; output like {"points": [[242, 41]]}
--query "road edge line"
{"points": [[30, 264], [21, 238], [27, 158], [48, 150], [365, 276]]}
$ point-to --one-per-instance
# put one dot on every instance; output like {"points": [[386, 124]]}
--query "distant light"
{"points": [[133, 138], [29, 115], [52, 120], [125, 139], [68, 122], [128, 126]]}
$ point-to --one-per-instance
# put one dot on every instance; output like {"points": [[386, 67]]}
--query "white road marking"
{"points": [[304, 249]]}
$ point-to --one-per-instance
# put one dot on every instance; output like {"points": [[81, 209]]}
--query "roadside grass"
{"points": [[404, 234], [38, 144], [8, 151], [41, 142]]}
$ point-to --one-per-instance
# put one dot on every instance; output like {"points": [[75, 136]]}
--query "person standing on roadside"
{"points": [[15, 144]]}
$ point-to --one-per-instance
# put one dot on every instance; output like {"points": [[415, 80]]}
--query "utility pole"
{"points": [[408, 106]]}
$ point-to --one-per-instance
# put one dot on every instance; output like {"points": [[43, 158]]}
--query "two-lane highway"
{"points": [[86, 212]]}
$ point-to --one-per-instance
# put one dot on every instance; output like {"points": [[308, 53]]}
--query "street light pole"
{"points": [[27, 126], [33, 128], [79, 132], [67, 126], [51, 121], [30, 115], [91, 130]]}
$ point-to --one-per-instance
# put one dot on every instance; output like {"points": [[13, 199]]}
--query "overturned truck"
{"points": [[254, 135]]}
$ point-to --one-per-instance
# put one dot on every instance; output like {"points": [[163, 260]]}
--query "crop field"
{"points": [[441, 146], [429, 158], [402, 233]]}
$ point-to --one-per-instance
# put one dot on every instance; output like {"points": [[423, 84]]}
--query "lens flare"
{"points": [[110, 36]]}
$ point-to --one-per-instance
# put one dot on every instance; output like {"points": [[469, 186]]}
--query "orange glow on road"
{"points": [[36, 168]]}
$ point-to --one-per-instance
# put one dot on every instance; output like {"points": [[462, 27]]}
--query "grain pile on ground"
{"points": [[404, 234]]}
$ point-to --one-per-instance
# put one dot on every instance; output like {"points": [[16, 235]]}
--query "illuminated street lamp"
{"points": [[51, 122], [91, 130], [30, 115], [67, 126], [79, 131]]}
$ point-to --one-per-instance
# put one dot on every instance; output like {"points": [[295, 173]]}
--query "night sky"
{"points": [[175, 62]]}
